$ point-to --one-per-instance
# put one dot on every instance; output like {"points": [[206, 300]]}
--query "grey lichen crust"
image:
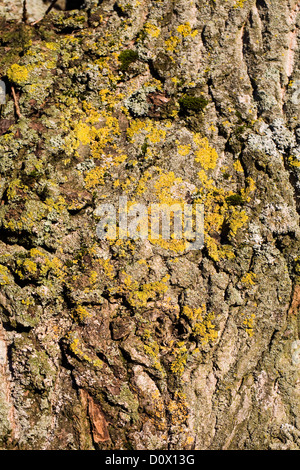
{"points": [[141, 344]]}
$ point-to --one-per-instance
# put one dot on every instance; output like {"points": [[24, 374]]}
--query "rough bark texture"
{"points": [[129, 344]]}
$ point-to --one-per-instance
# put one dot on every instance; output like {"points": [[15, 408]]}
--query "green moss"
{"points": [[144, 147], [127, 58], [192, 103], [235, 200]]}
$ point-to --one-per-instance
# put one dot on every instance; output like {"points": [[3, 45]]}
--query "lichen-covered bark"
{"points": [[142, 344]]}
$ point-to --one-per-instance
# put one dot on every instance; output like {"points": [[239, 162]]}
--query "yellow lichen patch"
{"points": [[151, 130], [142, 184], [158, 411], [205, 154], [81, 313], [171, 43], [170, 193], [249, 324], [15, 188], [138, 294], [101, 138], [39, 264], [155, 83], [245, 193], [236, 221], [108, 64], [4, 275], [219, 209], [59, 204], [186, 30], [178, 409], [164, 186], [293, 161], [177, 246], [216, 209], [239, 3], [53, 46], [183, 150], [152, 30], [110, 99], [102, 142], [107, 267], [180, 353], [29, 266], [151, 349], [124, 247], [249, 279], [135, 127], [17, 74], [94, 177], [201, 323], [97, 129], [238, 167], [82, 131], [79, 352]]}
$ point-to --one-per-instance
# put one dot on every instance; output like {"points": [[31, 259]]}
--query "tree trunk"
{"points": [[152, 343]]}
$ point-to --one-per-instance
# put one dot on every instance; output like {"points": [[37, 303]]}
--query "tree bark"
{"points": [[144, 343]]}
